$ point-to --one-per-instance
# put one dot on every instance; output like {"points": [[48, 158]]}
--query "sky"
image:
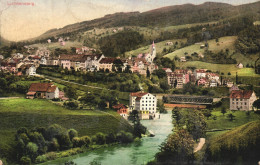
{"points": [[24, 19]]}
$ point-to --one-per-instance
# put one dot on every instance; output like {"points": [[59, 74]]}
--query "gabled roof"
{"points": [[138, 94], [241, 94], [107, 60], [42, 87], [119, 106], [200, 71]]}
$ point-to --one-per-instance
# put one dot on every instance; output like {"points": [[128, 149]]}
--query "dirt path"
{"points": [[200, 145], [3, 98]]}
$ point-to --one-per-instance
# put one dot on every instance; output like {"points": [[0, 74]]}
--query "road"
{"points": [[200, 145], [53, 78]]}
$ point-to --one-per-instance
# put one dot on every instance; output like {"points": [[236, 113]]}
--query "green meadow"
{"points": [[16, 113], [224, 43]]}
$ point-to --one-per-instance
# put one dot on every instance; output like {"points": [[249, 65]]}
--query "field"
{"points": [[225, 68], [54, 45], [224, 43], [223, 122], [159, 47], [16, 113]]}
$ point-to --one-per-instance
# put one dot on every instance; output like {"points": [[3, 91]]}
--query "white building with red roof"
{"points": [[43, 90], [242, 100], [200, 73], [143, 102]]}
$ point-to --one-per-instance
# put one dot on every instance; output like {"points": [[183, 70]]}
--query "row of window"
{"points": [[147, 104], [237, 103], [147, 108], [147, 101]]}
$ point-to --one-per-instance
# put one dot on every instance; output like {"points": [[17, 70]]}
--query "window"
{"points": [[245, 103]]}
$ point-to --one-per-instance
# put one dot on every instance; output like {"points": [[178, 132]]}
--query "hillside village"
{"points": [[119, 79]]}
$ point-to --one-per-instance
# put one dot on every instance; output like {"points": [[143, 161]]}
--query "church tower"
{"points": [[153, 51]]}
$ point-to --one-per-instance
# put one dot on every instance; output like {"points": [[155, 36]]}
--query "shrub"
{"points": [[110, 138], [71, 104], [64, 141], [72, 133], [41, 159], [25, 160], [51, 155], [100, 138], [125, 137], [54, 145], [53, 131]]}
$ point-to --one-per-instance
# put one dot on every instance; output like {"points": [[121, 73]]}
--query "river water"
{"points": [[136, 153]]}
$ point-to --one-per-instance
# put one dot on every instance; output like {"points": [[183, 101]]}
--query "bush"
{"points": [[124, 137], [100, 138], [110, 138], [71, 104], [72, 133], [51, 156], [41, 159], [54, 145], [25, 160]]}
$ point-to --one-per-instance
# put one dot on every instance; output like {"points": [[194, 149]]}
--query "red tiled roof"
{"points": [[138, 94], [51, 89], [241, 94], [119, 106], [40, 87], [107, 60], [200, 71]]}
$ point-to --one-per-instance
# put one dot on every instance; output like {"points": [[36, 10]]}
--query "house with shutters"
{"points": [[42, 90], [200, 73], [144, 103], [242, 100]]}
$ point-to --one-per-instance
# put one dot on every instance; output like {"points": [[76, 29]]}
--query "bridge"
{"points": [[188, 99]]}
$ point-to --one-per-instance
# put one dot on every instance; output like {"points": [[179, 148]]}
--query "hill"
{"points": [[243, 142], [16, 113], [167, 16]]}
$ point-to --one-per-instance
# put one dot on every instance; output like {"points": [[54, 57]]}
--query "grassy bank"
{"points": [[16, 113]]}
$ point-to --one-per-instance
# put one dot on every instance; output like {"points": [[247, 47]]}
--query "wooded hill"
{"points": [[166, 16]]}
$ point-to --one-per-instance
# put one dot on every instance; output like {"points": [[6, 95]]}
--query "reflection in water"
{"points": [[137, 153]]}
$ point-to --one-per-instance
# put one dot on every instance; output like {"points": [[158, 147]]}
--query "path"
{"points": [[201, 144], [53, 78], [2, 98]]}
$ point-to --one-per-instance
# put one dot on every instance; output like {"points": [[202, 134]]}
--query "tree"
{"points": [[148, 74], [256, 104], [223, 110], [160, 73], [139, 129], [160, 106], [178, 148], [231, 117], [70, 92], [31, 150]]}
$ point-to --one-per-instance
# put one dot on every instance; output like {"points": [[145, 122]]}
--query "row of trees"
{"points": [[31, 144]]}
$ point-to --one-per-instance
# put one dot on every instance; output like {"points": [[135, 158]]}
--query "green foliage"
{"points": [[231, 117], [248, 40], [256, 104], [25, 160], [70, 93], [110, 138], [71, 104], [178, 148], [117, 44], [41, 159], [100, 138], [124, 137], [160, 106], [242, 142], [72, 133]]}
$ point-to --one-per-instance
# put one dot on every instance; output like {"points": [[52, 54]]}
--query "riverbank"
{"points": [[136, 153]]}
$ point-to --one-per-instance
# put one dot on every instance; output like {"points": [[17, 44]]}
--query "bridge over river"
{"points": [[188, 99]]}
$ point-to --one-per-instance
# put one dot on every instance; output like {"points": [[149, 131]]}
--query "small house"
{"points": [[121, 109], [240, 66], [43, 90]]}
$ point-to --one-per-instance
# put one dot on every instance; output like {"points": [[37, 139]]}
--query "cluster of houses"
{"points": [[81, 61], [199, 77]]}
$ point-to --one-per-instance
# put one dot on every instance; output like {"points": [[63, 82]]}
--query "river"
{"points": [[136, 153]]}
